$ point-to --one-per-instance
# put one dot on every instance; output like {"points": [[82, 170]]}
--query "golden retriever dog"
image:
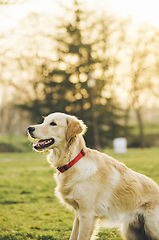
{"points": [[94, 184]]}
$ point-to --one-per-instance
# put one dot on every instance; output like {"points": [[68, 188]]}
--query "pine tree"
{"points": [[71, 84]]}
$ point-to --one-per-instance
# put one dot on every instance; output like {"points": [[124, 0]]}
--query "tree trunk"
{"points": [[95, 125], [140, 124]]}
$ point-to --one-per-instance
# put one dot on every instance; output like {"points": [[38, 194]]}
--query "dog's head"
{"points": [[57, 129]]}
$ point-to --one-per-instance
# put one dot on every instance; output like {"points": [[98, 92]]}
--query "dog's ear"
{"points": [[74, 127]]}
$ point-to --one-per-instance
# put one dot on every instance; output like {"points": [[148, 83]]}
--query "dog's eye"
{"points": [[53, 124]]}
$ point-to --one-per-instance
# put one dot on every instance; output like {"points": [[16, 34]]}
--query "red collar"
{"points": [[70, 164]]}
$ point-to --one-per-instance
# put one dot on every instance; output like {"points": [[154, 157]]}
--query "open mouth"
{"points": [[43, 144]]}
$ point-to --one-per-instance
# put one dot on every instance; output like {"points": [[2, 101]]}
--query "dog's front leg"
{"points": [[86, 226], [75, 230]]}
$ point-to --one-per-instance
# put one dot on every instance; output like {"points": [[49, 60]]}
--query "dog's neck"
{"points": [[62, 155]]}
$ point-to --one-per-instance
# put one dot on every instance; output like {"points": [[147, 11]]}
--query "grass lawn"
{"points": [[28, 207], [149, 128]]}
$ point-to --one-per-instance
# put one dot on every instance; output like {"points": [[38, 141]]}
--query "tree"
{"points": [[83, 49], [142, 71], [80, 55]]}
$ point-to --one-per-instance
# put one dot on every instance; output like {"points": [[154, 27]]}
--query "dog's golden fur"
{"points": [[98, 186]]}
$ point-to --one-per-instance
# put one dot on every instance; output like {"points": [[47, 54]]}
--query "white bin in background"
{"points": [[120, 145]]}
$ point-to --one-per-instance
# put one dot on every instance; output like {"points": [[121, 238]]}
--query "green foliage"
{"points": [[28, 206]]}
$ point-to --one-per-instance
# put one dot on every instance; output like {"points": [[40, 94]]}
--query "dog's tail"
{"points": [[138, 230]]}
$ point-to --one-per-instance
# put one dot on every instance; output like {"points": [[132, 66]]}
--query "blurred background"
{"points": [[97, 60]]}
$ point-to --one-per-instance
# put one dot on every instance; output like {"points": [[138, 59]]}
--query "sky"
{"points": [[140, 10]]}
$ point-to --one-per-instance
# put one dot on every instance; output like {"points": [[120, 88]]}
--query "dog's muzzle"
{"points": [[31, 130], [41, 144]]}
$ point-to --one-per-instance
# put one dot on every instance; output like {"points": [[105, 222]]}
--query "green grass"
{"points": [[14, 143], [149, 128], [28, 207]]}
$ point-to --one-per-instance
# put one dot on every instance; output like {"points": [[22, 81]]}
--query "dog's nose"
{"points": [[31, 129]]}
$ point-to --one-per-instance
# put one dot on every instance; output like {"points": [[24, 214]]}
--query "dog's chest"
{"points": [[68, 197], [67, 192]]}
